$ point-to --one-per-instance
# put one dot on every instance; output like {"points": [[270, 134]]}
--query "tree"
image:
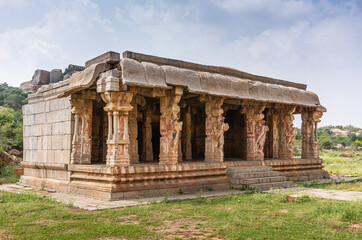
{"points": [[11, 133]]}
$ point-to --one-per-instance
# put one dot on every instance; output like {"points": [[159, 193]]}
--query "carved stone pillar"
{"points": [[82, 109], [76, 142], [86, 142], [287, 133], [214, 128], [118, 106], [256, 130], [310, 143], [147, 150], [133, 133], [272, 139], [170, 127], [188, 145]]}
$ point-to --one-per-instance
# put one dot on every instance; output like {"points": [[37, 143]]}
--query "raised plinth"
{"points": [[146, 180]]}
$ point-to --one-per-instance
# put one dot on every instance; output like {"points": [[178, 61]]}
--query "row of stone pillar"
{"points": [[122, 145]]}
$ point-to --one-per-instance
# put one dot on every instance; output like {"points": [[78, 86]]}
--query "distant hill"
{"points": [[340, 137]]}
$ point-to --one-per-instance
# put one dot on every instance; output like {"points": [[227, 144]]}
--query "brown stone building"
{"points": [[147, 126]]}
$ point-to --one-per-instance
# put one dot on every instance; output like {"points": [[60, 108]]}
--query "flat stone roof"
{"points": [[211, 69]]}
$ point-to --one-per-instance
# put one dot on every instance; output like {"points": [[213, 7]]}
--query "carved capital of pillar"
{"points": [[170, 126]]}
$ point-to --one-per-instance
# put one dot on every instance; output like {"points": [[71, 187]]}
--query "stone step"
{"points": [[231, 170], [267, 186], [263, 180], [254, 175]]}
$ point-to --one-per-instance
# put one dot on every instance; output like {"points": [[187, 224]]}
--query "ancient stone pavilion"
{"points": [[142, 126]]}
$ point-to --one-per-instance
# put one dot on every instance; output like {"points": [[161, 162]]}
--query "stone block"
{"points": [[28, 120], [59, 104], [65, 156], [59, 116], [40, 118], [50, 156], [55, 76], [26, 131], [66, 127], [76, 67], [108, 57], [66, 142], [112, 84], [56, 128], [47, 141], [26, 144], [57, 142], [34, 143], [40, 77], [37, 130], [34, 108], [34, 155], [101, 85], [41, 143], [47, 129]]}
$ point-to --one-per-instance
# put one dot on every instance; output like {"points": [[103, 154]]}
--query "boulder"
{"points": [[77, 68], [345, 155], [339, 146], [40, 77], [55, 75], [27, 86], [15, 152], [68, 75], [8, 159]]}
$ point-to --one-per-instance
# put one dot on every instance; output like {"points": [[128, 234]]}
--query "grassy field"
{"points": [[350, 186], [249, 216], [338, 166]]}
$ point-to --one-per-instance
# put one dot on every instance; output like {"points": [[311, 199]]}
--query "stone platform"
{"points": [[151, 179]]}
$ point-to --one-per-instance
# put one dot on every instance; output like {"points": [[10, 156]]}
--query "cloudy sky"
{"points": [[318, 43]]}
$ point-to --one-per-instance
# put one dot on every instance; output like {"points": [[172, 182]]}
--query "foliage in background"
{"points": [[329, 140], [11, 120]]}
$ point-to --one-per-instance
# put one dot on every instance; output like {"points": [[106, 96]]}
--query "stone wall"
{"points": [[47, 137]]}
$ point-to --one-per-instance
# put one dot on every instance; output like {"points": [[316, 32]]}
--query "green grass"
{"points": [[250, 216], [7, 174], [337, 165], [346, 186]]}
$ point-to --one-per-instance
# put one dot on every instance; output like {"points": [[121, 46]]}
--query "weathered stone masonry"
{"points": [[143, 126]]}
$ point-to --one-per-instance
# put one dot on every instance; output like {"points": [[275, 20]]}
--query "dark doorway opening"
{"points": [[235, 137]]}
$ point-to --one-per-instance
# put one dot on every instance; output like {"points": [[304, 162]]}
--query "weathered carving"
{"points": [[133, 132], [82, 109], [261, 131], [255, 129], [147, 149], [188, 132], [215, 128], [170, 126], [287, 133], [310, 143], [118, 106]]}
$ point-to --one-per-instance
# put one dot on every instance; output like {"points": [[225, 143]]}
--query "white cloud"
{"points": [[49, 43], [278, 8]]}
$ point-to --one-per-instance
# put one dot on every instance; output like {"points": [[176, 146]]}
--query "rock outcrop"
{"points": [[43, 77]]}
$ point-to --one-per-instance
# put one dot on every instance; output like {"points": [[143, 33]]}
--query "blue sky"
{"points": [[318, 43]]}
